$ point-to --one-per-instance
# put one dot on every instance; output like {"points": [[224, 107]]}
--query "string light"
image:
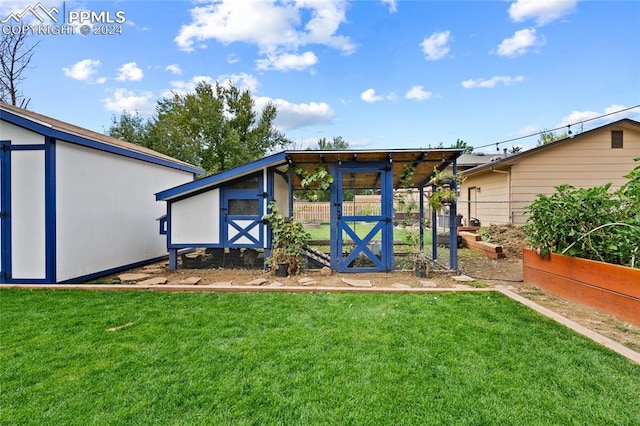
{"points": [[581, 123]]}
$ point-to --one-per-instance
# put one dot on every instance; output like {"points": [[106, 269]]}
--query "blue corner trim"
{"points": [[5, 209], [90, 143], [50, 209], [218, 178]]}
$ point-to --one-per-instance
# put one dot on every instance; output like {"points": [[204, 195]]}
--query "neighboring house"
{"points": [[76, 204], [500, 191], [224, 211]]}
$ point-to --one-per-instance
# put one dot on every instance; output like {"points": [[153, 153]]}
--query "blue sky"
{"points": [[381, 74]]}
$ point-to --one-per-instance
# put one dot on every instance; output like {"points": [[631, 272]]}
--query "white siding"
{"points": [[106, 210], [196, 220], [19, 136], [28, 215]]}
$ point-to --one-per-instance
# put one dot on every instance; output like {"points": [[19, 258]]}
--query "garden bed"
{"points": [[610, 288]]}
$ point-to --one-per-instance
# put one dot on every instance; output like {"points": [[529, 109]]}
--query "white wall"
{"points": [[27, 214], [19, 136], [196, 220], [106, 209]]}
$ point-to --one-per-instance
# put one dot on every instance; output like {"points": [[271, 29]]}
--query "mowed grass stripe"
{"points": [[277, 358]]}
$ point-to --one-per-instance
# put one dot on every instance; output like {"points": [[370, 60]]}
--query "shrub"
{"points": [[592, 223]]}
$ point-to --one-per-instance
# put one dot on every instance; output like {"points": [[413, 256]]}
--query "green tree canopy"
{"points": [[547, 136], [215, 127]]}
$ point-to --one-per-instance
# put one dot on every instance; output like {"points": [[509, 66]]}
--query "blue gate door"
{"points": [[365, 225], [243, 207]]}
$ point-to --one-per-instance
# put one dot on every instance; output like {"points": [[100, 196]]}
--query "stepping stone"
{"points": [[191, 281], [153, 281], [357, 283], [428, 283], [276, 284], [132, 277], [153, 271], [257, 281], [307, 281], [463, 278], [399, 285]]}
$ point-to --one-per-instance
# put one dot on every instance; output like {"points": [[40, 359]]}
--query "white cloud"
{"points": [[436, 46], [369, 96], [174, 69], [294, 116], [418, 93], [232, 58], [492, 82], [393, 5], [578, 116], [541, 11], [520, 43], [290, 25], [528, 130], [127, 100], [82, 70], [288, 61], [130, 72]]}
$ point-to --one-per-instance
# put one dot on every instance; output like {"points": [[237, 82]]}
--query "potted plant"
{"points": [[441, 197], [445, 179], [288, 241]]}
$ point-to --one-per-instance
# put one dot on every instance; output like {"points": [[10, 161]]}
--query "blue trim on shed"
{"points": [[94, 275], [50, 209], [45, 130], [5, 210], [214, 180]]}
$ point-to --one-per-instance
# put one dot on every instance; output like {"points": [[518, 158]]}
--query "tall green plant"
{"points": [[591, 223], [288, 238]]}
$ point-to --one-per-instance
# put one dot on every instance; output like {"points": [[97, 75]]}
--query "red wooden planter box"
{"points": [[609, 288]]}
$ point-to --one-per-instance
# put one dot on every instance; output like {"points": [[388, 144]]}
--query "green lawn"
{"points": [[362, 229], [127, 358]]}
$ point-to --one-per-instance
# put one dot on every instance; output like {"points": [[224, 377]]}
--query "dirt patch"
{"points": [[487, 272], [510, 237]]}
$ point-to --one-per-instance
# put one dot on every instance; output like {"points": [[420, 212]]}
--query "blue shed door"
{"points": [[4, 210], [365, 226], [242, 210]]}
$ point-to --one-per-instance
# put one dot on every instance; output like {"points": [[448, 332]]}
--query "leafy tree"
{"points": [[129, 127], [215, 127], [15, 56], [336, 144], [468, 149], [547, 136], [515, 149], [459, 143]]}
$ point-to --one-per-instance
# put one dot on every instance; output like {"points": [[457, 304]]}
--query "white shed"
{"points": [[76, 204]]}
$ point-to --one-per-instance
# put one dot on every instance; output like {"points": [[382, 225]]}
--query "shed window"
{"points": [[616, 139], [244, 207]]}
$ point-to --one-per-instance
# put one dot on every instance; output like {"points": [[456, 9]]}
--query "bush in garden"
{"points": [[591, 223]]}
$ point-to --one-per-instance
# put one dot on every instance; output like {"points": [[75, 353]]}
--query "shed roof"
{"points": [[424, 161], [61, 130]]}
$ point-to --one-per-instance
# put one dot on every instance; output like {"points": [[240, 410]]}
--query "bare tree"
{"points": [[15, 56]]}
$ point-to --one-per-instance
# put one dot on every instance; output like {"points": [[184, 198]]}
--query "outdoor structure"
{"points": [[500, 190], [224, 211], [76, 204]]}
